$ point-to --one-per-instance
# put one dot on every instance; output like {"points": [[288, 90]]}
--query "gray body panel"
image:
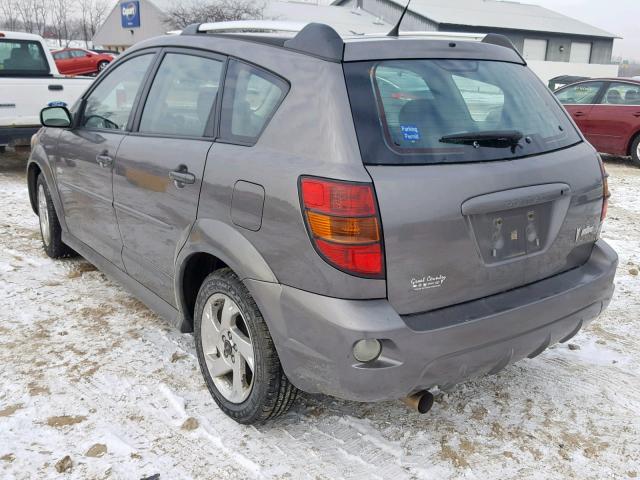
{"points": [[86, 191], [428, 235], [244, 209], [314, 334], [153, 213]]}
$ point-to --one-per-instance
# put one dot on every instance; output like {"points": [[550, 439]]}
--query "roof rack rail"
{"points": [[316, 39], [502, 41], [244, 26]]}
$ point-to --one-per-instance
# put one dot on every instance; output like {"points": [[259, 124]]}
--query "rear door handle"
{"points": [[637, 114], [104, 160], [579, 114], [182, 177]]}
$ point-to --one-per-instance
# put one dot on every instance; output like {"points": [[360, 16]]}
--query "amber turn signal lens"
{"points": [[344, 229]]}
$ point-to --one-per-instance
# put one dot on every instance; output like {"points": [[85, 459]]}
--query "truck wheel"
{"points": [[635, 151], [237, 357], [49, 225]]}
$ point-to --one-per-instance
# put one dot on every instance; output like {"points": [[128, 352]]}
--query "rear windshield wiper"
{"points": [[490, 138]]}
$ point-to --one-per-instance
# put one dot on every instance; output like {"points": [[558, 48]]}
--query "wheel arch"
{"points": [[211, 245], [37, 165], [632, 139], [33, 171]]}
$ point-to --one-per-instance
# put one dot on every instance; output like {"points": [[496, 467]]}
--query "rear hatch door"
{"points": [[464, 219]]}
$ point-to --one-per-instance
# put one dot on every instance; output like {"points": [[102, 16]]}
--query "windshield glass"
{"points": [[451, 111], [22, 57]]}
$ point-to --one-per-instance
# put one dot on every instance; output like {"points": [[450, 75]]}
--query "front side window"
{"points": [[579, 94], [622, 94], [453, 111], [251, 98], [182, 96], [109, 105], [22, 57]]}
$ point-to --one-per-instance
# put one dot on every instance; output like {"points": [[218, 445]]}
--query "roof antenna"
{"points": [[395, 31]]}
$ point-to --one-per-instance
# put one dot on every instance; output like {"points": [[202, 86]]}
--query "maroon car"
{"points": [[607, 111], [78, 61]]}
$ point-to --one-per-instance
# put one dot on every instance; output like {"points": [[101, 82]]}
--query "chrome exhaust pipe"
{"points": [[421, 401]]}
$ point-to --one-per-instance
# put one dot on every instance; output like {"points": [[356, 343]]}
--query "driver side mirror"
{"points": [[58, 117]]}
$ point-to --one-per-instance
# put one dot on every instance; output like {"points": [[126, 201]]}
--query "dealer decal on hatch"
{"points": [[427, 282]]}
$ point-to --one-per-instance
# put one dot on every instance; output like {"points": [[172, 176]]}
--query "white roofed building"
{"points": [[553, 44]]}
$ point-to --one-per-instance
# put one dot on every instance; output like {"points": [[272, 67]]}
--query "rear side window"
{"points": [[182, 96], [22, 57], [622, 94], [109, 105], [453, 111], [580, 94], [251, 97]]}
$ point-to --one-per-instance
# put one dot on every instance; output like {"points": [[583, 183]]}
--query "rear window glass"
{"points": [[22, 57], [452, 111]]}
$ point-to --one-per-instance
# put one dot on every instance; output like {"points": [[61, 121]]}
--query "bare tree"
{"points": [[40, 15], [8, 15], [24, 9], [185, 13], [62, 19], [93, 14]]}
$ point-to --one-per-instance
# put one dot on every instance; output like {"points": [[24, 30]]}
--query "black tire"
{"points": [[54, 247], [271, 392], [102, 65], [635, 151]]}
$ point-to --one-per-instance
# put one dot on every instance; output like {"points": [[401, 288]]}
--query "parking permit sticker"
{"points": [[410, 133]]}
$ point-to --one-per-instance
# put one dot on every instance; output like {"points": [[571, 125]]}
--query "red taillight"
{"points": [[344, 225], [605, 190]]}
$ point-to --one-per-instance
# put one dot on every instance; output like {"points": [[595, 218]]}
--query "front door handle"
{"points": [[579, 114], [104, 160], [637, 114], [182, 177]]}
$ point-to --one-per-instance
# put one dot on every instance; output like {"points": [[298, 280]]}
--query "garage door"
{"points": [[580, 52], [534, 49]]}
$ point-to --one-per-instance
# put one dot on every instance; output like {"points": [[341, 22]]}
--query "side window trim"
{"points": [[212, 122], [235, 141], [79, 117], [604, 86], [610, 84]]}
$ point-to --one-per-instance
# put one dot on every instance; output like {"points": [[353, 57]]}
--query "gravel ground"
{"points": [[94, 385]]}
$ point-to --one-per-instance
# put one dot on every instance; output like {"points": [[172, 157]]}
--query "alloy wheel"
{"points": [[43, 215], [227, 348]]}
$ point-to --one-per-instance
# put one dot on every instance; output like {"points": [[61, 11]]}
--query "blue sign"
{"points": [[411, 133], [130, 14]]}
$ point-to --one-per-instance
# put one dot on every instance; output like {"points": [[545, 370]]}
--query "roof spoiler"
{"points": [[502, 41], [315, 39]]}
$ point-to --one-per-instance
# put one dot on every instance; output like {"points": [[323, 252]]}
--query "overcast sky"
{"points": [[621, 17]]}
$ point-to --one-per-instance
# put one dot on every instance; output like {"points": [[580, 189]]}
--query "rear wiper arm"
{"points": [[492, 138]]}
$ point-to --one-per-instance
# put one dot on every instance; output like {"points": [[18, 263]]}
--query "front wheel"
{"points": [[635, 151], [236, 353], [102, 65], [50, 229]]}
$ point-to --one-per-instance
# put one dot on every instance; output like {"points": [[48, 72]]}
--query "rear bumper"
{"points": [[314, 335], [10, 136]]}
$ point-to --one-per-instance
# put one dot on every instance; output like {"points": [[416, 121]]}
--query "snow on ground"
{"points": [[88, 372]]}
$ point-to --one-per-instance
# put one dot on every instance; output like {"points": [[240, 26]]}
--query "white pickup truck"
{"points": [[29, 81]]}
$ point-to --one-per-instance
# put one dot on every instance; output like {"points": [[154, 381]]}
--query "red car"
{"points": [[78, 61], [607, 111]]}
